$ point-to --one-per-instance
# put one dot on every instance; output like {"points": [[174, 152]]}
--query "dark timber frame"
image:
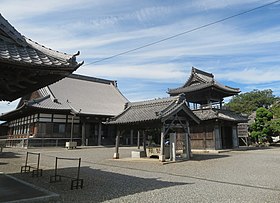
{"points": [[76, 182], [27, 167]]}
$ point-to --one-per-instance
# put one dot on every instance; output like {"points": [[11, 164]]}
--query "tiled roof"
{"points": [[201, 80], [152, 110], [81, 94], [27, 65], [15, 48], [209, 114], [86, 95]]}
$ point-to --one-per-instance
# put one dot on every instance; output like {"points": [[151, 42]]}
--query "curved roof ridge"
{"points": [[195, 70], [11, 32], [37, 100], [153, 101], [47, 50], [199, 80], [53, 53], [225, 86], [171, 107]]}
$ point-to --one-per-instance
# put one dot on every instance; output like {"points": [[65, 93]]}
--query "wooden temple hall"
{"points": [[192, 117], [218, 126]]}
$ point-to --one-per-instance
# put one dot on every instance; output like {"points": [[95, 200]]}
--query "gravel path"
{"points": [[236, 176]]}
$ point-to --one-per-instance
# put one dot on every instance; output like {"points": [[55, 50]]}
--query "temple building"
{"points": [[218, 126], [75, 107], [27, 66], [159, 121]]}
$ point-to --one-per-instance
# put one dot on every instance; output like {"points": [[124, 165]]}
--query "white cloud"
{"points": [[154, 72], [222, 4], [252, 75], [19, 10], [8, 106]]}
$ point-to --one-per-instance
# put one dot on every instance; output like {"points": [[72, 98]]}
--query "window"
{"points": [[59, 128]]}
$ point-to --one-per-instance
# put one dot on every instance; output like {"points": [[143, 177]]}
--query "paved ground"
{"points": [[236, 176]]}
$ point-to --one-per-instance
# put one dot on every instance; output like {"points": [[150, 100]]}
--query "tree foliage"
{"points": [[275, 109], [275, 127], [260, 129], [251, 101]]}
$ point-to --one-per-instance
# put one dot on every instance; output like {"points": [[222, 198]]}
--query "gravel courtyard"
{"points": [[235, 176]]}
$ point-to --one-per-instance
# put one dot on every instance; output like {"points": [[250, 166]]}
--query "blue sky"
{"points": [[241, 52]]}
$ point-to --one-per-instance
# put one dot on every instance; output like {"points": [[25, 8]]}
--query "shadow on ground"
{"points": [[203, 157], [99, 185], [9, 155]]}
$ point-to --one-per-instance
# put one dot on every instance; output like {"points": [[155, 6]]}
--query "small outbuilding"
{"points": [[161, 121]]}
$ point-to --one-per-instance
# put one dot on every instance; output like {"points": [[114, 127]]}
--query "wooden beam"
{"points": [[83, 134], [99, 134], [144, 143], [131, 137], [116, 154], [162, 155], [138, 139]]}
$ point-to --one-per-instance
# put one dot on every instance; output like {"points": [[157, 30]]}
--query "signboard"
{"points": [[242, 129]]}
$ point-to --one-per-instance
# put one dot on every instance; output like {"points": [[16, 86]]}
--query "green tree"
{"points": [[260, 129], [275, 109], [251, 101], [275, 127]]}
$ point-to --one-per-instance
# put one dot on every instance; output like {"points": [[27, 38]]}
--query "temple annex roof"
{"points": [[153, 110], [201, 87], [221, 114], [26, 65], [78, 94]]}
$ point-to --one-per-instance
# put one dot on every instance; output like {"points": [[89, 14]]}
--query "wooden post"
{"points": [[161, 155], [189, 140], [138, 139], [172, 137], [99, 134], [187, 149], [116, 154], [131, 137], [235, 141], [83, 134], [218, 139], [144, 143]]}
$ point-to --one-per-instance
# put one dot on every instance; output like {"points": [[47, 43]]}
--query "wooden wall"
{"points": [[202, 136]]}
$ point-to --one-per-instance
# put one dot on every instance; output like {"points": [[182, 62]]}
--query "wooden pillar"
{"points": [[235, 141], [173, 141], [161, 155], [131, 137], [189, 141], [116, 154], [138, 139], [144, 143], [99, 134], [218, 138], [83, 134], [187, 153]]}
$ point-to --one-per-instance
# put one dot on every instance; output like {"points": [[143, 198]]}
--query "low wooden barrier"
{"points": [[28, 166], [76, 182]]}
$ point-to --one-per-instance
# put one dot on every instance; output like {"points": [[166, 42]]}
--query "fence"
{"points": [[39, 142]]}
